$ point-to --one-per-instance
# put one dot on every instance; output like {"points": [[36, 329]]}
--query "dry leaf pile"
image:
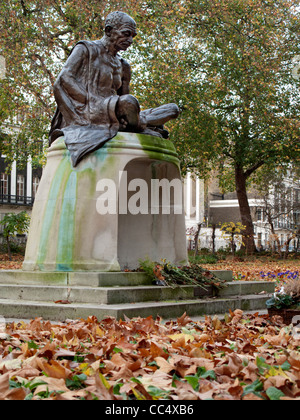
{"points": [[244, 357], [14, 264]]}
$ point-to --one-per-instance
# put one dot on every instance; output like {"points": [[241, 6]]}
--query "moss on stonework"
{"points": [[158, 148]]}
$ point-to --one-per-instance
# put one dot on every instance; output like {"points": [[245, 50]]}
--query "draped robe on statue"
{"points": [[86, 123]]}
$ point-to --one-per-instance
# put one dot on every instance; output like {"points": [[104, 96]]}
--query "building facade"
{"points": [[276, 215], [18, 188]]}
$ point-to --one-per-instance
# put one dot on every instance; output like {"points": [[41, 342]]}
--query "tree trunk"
{"points": [[276, 238], [297, 240], [287, 246], [8, 248], [232, 242], [213, 237], [196, 239], [246, 218]]}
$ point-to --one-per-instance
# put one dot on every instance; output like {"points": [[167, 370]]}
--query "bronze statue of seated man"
{"points": [[92, 93]]}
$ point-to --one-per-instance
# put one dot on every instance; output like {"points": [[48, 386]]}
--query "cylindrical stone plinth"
{"points": [[119, 205]]}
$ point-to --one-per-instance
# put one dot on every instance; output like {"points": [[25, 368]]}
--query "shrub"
{"points": [[204, 259], [14, 223]]}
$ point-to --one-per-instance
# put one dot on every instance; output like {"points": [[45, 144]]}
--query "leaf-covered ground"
{"points": [[258, 269], [243, 357], [14, 264]]}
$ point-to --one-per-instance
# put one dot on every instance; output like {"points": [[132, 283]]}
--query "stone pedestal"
{"points": [[121, 204]]}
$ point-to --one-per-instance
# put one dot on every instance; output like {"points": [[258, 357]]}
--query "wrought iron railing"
{"points": [[17, 200]]}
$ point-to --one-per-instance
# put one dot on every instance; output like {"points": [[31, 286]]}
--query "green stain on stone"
{"points": [[67, 224], [52, 210], [159, 149], [91, 175], [60, 212], [62, 224]]}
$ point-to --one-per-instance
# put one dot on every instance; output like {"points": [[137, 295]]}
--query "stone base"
{"points": [[88, 279], [79, 278], [70, 230], [60, 296]]}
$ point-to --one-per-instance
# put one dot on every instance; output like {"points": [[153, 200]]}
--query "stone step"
{"points": [[28, 309], [115, 295], [26, 295], [88, 279], [78, 278], [247, 288]]}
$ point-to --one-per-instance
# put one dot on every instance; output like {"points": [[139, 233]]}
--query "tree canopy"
{"points": [[229, 65]]}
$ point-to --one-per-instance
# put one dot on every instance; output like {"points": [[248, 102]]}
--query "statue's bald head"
{"points": [[118, 19], [120, 29]]}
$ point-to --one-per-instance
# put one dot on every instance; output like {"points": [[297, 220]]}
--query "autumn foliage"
{"points": [[244, 357], [228, 64]]}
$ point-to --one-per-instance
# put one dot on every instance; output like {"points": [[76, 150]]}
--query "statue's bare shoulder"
{"points": [[126, 77], [77, 57]]}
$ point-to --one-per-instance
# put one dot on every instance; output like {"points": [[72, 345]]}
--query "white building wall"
{"points": [[193, 200]]}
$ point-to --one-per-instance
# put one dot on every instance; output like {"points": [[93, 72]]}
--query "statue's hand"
{"points": [[142, 122]]}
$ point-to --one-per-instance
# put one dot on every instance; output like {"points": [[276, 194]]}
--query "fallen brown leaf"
{"points": [[144, 358], [63, 302]]}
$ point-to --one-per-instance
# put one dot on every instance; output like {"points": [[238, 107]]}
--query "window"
{"points": [[20, 185], [259, 214], [259, 243], [4, 184], [35, 184]]}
